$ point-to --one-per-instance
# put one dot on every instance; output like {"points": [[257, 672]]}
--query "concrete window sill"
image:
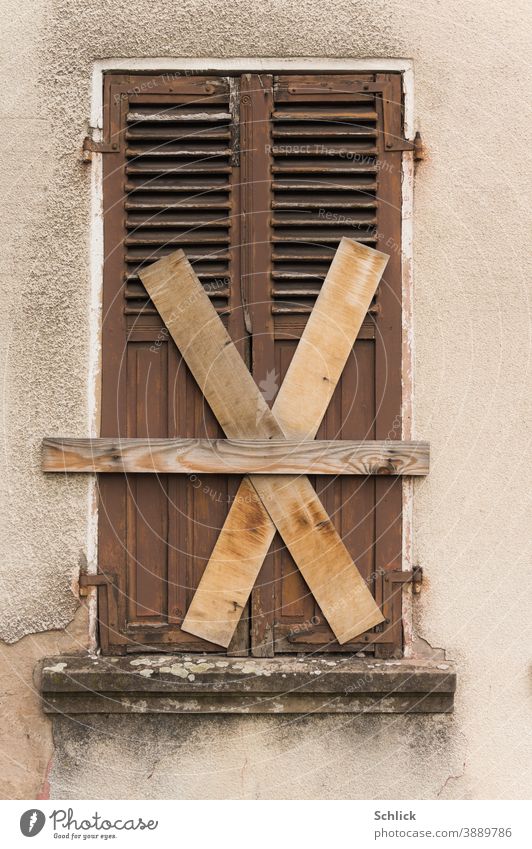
{"points": [[216, 684]]}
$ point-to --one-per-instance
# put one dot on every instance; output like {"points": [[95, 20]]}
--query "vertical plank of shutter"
{"points": [[197, 506], [255, 133], [160, 203], [112, 489], [239, 645], [256, 103], [324, 178], [178, 543], [388, 493], [147, 520]]}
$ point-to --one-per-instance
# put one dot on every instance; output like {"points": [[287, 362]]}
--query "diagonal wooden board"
{"points": [[301, 403], [292, 503]]}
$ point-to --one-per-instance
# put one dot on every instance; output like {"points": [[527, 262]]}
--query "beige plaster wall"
{"points": [[472, 350]]}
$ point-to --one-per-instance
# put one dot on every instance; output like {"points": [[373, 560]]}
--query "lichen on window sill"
{"points": [[204, 684]]}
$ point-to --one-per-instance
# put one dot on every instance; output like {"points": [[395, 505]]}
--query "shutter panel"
{"points": [[257, 178], [331, 176], [171, 183]]}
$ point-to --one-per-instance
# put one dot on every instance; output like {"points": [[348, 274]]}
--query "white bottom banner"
{"points": [[267, 824]]}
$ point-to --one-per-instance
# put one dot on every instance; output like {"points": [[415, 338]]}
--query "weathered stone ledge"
{"points": [[217, 684]]}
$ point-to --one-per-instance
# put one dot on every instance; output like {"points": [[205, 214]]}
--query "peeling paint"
{"points": [[25, 731], [57, 668], [175, 669], [148, 661], [200, 667], [136, 706]]}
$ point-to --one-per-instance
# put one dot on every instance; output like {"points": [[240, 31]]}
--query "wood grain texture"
{"points": [[236, 456], [207, 348], [292, 504], [328, 338]]}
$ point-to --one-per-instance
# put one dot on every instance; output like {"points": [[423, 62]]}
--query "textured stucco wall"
{"points": [[472, 322]]}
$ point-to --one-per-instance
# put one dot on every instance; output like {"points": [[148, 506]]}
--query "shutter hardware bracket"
{"points": [[392, 137], [393, 144], [419, 148], [108, 592], [90, 146], [414, 577], [396, 576], [87, 581]]}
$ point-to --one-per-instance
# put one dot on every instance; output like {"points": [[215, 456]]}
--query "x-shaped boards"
{"points": [[266, 502]]}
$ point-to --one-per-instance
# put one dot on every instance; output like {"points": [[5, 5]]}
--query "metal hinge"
{"points": [[108, 618], [90, 146], [416, 147], [86, 581], [414, 577], [419, 147], [392, 140]]}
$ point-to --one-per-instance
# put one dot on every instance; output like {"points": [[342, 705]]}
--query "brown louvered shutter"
{"points": [[319, 142], [257, 178], [171, 184]]}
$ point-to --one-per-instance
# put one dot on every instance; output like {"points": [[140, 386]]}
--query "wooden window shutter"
{"points": [[257, 178], [170, 184], [327, 173]]}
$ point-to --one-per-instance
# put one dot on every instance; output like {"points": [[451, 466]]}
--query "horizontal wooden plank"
{"points": [[236, 456]]}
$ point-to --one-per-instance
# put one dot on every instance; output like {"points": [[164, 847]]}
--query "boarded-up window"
{"points": [[256, 177]]}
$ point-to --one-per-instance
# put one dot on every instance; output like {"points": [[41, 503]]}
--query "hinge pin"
{"points": [[417, 579], [419, 148]]}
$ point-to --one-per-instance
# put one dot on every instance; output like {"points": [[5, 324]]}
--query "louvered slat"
{"points": [[178, 190], [323, 183]]}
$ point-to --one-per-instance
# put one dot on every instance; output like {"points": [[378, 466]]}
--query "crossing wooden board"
{"points": [[292, 503]]}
